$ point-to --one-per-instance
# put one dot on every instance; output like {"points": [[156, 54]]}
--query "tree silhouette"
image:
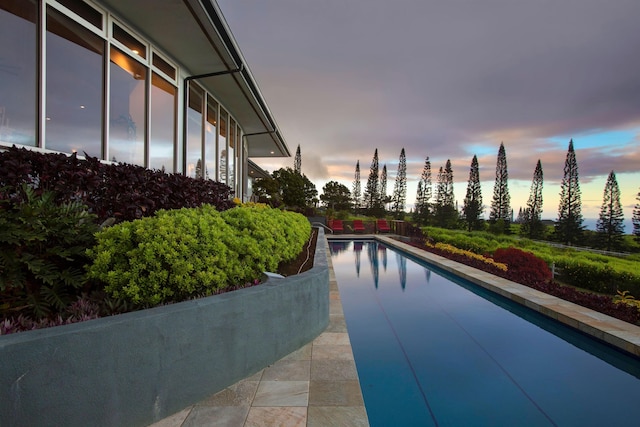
{"points": [[423, 195], [297, 164], [500, 215], [400, 188], [610, 225], [568, 228], [472, 207], [357, 191], [636, 219], [371, 197], [383, 186], [532, 226], [336, 196], [445, 213], [288, 187]]}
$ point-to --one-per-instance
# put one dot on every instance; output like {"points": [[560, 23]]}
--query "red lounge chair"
{"points": [[336, 226], [358, 226], [383, 226]]}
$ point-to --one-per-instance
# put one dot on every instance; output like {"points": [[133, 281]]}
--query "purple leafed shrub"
{"points": [[124, 192], [523, 267]]}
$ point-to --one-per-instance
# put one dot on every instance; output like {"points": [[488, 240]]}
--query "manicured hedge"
{"points": [[186, 253]]}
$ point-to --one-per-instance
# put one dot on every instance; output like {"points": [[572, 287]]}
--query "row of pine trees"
{"points": [[442, 210]]}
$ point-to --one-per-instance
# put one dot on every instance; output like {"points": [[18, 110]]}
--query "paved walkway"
{"points": [[315, 386]]}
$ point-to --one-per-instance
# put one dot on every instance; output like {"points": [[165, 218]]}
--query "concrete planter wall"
{"points": [[136, 368]]}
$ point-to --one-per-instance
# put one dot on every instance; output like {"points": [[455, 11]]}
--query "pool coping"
{"points": [[617, 333]]}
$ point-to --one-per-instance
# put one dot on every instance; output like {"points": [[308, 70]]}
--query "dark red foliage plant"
{"points": [[523, 267], [120, 191]]}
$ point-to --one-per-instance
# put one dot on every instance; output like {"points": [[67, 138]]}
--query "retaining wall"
{"points": [[136, 368]]}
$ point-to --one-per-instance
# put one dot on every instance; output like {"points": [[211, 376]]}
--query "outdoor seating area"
{"points": [[383, 226], [366, 226], [336, 225]]}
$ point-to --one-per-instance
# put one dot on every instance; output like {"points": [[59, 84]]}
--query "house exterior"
{"points": [[156, 83]]}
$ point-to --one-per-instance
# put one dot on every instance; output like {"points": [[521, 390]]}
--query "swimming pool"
{"points": [[434, 350]]}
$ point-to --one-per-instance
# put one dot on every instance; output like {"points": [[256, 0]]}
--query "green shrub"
{"points": [[181, 254], [42, 252]]}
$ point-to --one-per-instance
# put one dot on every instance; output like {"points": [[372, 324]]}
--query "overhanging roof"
{"points": [[256, 171], [195, 33]]}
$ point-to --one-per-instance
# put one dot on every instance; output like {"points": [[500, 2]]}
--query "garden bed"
{"points": [[136, 368]]}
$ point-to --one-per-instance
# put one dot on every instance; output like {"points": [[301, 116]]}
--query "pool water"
{"points": [[434, 350]]}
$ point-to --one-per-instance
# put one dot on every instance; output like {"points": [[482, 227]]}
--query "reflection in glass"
{"points": [[74, 87], [210, 133], [162, 106], [18, 51], [222, 147], [127, 109], [194, 132]]}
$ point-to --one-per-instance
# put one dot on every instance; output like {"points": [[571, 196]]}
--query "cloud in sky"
{"points": [[450, 79]]}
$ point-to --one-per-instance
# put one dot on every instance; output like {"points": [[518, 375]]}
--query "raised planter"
{"points": [[137, 368]]}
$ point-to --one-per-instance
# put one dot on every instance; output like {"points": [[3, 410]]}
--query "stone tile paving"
{"points": [[315, 386]]}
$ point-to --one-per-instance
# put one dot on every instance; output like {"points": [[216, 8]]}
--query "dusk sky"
{"points": [[450, 79]]}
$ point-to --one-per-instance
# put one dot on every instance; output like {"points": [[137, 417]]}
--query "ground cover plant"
{"points": [[528, 269], [583, 269]]}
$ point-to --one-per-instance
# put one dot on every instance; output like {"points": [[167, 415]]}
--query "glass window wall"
{"points": [[18, 77], [74, 87], [222, 147], [163, 123], [211, 131], [194, 132], [127, 118], [232, 154]]}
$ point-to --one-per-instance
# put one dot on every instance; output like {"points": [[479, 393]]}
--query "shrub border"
{"points": [[136, 368]]}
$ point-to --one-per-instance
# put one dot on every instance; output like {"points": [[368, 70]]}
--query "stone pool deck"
{"points": [[315, 386], [318, 384]]}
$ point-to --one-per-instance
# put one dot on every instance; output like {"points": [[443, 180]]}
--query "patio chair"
{"points": [[358, 226], [383, 226], [336, 226]]}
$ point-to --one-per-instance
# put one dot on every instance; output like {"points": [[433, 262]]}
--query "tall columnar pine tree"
{"points": [[383, 186], [357, 190], [445, 213], [568, 228], [400, 189], [500, 214], [372, 201], [423, 195], [297, 164], [472, 206], [636, 219], [531, 225], [610, 225]]}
